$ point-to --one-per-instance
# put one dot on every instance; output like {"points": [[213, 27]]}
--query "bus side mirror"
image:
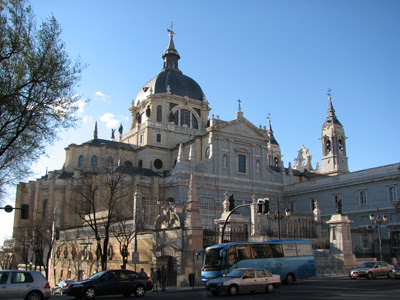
{"points": [[198, 253]]}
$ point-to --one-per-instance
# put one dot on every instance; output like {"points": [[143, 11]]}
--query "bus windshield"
{"points": [[212, 259]]}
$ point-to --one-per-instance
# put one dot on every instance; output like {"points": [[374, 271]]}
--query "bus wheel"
{"points": [[269, 288], [233, 289], [289, 279]]}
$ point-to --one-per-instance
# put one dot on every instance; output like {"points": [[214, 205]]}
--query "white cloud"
{"points": [[100, 96], [110, 121], [87, 119], [80, 104]]}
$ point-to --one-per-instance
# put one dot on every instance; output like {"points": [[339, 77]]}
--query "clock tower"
{"points": [[334, 159]]}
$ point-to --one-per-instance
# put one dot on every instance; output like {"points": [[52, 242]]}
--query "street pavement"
{"points": [[325, 288]]}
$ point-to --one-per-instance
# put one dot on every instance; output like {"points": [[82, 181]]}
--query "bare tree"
{"points": [[37, 78], [125, 230], [100, 198]]}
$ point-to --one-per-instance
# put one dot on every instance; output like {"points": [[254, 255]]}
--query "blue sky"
{"points": [[278, 57]]}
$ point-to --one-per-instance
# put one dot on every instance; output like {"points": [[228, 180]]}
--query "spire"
{"points": [[272, 139], [331, 118], [171, 56], [95, 136]]}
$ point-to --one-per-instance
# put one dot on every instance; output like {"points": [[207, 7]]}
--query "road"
{"points": [[326, 288]]}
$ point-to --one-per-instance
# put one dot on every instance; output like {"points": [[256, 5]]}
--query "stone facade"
{"points": [[180, 164]]}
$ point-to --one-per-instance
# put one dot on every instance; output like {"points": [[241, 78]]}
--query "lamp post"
{"points": [[227, 218], [378, 220]]}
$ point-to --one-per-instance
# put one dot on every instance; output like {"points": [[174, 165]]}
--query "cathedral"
{"points": [[182, 164]]}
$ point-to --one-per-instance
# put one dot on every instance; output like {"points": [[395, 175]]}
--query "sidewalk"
{"points": [[181, 289]]}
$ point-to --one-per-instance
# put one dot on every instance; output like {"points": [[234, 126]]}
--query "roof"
{"points": [[108, 143], [171, 80]]}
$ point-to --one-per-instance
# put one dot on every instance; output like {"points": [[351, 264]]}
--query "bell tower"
{"points": [[334, 159]]}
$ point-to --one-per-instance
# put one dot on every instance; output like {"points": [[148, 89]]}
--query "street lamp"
{"points": [[379, 220]]}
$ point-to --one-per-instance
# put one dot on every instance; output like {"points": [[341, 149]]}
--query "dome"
{"points": [[171, 80]]}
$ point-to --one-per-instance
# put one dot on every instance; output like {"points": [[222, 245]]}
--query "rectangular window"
{"points": [[291, 206], [242, 163], [392, 193], [158, 138], [141, 139], [363, 197]]}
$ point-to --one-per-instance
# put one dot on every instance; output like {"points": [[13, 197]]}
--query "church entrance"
{"points": [[169, 263]]}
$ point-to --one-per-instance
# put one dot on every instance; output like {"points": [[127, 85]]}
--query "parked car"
{"points": [[61, 287], [396, 272], [372, 269], [111, 282], [27, 285], [244, 280]]}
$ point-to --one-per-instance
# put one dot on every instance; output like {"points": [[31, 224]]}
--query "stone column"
{"points": [[341, 252]]}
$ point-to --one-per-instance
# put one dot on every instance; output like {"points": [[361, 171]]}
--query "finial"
{"points": [[269, 118], [329, 94], [171, 32], [239, 102]]}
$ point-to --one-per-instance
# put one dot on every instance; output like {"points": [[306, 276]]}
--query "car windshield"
{"points": [[236, 274], [96, 276], [368, 265], [212, 258]]}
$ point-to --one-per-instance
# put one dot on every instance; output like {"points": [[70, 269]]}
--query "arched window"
{"points": [[140, 164], [45, 208], [185, 117], [93, 162], [159, 113], [80, 161]]}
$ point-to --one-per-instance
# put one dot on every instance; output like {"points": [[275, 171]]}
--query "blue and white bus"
{"points": [[291, 259]]}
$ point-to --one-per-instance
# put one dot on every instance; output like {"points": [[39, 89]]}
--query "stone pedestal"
{"points": [[341, 252]]}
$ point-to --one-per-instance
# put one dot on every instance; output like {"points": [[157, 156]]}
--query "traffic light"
{"points": [[263, 207]]}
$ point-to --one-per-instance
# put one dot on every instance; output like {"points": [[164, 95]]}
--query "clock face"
{"points": [[208, 152]]}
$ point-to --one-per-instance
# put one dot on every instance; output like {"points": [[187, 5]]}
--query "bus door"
{"points": [[273, 262]]}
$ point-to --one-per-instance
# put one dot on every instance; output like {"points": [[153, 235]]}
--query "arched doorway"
{"points": [[170, 264]]}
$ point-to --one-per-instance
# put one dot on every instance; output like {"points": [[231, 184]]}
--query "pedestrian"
{"points": [[142, 272], [163, 278], [154, 278], [159, 277]]}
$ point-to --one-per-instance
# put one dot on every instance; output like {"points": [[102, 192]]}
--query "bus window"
{"points": [[304, 250], [231, 257], [276, 250], [261, 251], [289, 250], [243, 252]]}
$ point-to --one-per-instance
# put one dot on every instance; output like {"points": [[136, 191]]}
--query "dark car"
{"points": [[61, 287], [396, 272], [111, 282], [27, 285]]}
